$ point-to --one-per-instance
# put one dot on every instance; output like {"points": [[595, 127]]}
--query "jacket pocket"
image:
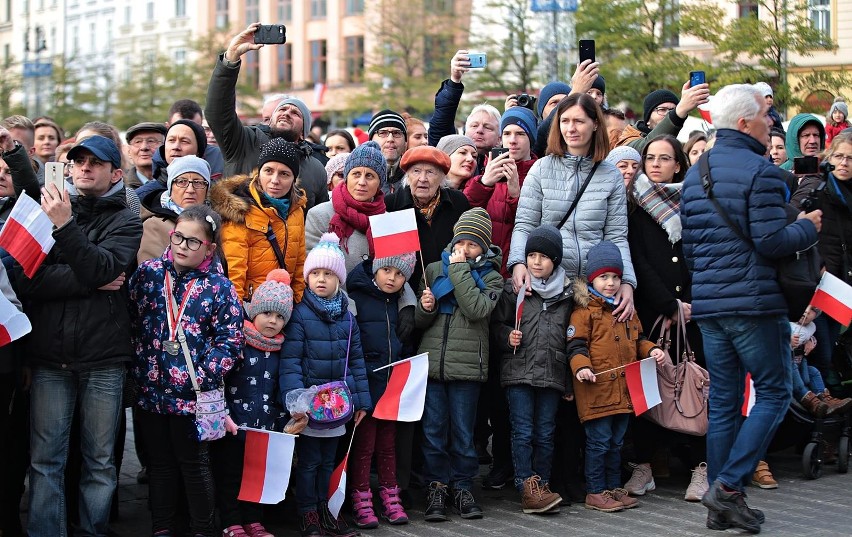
{"points": [[606, 393]]}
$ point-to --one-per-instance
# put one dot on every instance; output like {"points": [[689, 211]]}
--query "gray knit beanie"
{"points": [[451, 143], [275, 294], [303, 109], [368, 155], [404, 262], [623, 152], [187, 164], [603, 257], [839, 104]]}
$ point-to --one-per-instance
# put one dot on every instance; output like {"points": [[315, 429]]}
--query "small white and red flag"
{"points": [[704, 110], [13, 323], [266, 466], [834, 297], [405, 396], [319, 93], [519, 307], [27, 234], [749, 395], [337, 484], [642, 384], [394, 233]]}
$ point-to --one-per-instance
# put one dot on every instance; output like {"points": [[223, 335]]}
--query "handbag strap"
{"points": [[707, 184], [186, 356], [348, 346], [579, 194], [685, 350], [276, 248]]}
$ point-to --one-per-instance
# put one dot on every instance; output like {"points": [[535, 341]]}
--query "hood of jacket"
{"points": [[791, 142], [151, 203], [233, 197]]}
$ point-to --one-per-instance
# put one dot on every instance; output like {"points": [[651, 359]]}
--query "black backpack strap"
{"points": [[273, 241], [707, 184], [579, 194]]}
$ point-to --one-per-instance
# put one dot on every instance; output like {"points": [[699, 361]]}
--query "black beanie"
{"points": [[600, 84], [280, 150], [655, 99], [545, 240], [200, 137]]}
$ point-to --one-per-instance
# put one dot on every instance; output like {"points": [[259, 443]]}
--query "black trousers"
{"points": [[227, 455]]}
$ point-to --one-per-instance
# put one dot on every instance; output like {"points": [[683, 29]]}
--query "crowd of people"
{"points": [[202, 264]]}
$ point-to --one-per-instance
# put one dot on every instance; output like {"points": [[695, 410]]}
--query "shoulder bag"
{"points": [[332, 404]]}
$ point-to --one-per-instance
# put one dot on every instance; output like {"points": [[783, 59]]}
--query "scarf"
{"points": [[428, 209], [550, 288], [166, 202], [281, 205], [607, 299], [443, 288], [260, 342], [841, 189], [333, 305], [351, 215], [662, 202]]}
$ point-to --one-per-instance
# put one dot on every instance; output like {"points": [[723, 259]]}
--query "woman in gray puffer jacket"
{"points": [[576, 146]]}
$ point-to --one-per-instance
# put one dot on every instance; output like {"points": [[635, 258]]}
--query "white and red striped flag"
{"points": [[13, 323], [405, 396], [266, 466], [27, 234], [834, 297], [642, 384], [337, 483], [704, 110], [749, 395], [394, 233], [519, 306]]}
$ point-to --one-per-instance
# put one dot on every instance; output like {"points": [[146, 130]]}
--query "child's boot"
{"points": [[392, 510], [335, 526], [536, 498], [309, 524], [621, 495], [841, 406], [362, 509], [814, 405], [603, 501], [256, 529], [763, 477]]}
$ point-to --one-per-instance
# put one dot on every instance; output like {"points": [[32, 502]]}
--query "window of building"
{"points": [[221, 13], [354, 7], [354, 59], [438, 6], [128, 14], [818, 101], [180, 8], [819, 12], [93, 37], [671, 16], [747, 8], [180, 56], [318, 9], [252, 11], [7, 55], [285, 63], [435, 48], [285, 10], [251, 68], [75, 40], [150, 11], [109, 32], [319, 60]]}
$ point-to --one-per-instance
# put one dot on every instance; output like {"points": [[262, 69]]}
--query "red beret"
{"points": [[426, 153]]}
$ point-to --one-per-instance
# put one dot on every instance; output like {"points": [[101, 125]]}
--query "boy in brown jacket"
{"points": [[598, 342]]}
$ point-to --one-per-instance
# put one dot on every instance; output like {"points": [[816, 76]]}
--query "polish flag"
{"points": [[519, 307], [394, 233], [27, 234], [266, 466], [704, 110], [337, 486], [749, 395], [405, 395], [319, 93], [13, 323], [834, 297], [642, 384]]}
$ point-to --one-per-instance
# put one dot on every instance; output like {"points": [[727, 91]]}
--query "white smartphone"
{"points": [[54, 173]]}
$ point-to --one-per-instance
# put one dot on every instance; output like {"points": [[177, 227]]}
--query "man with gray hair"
{"points": [[735, 229]]}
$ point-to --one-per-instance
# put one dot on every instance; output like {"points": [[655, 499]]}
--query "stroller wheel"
{"points": [[811, 461], [843, 454]]}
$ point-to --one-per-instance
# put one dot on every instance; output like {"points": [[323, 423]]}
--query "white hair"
{"points": [[734, 102], [488, 109]]}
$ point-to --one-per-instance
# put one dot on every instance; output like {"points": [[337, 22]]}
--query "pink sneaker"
{"points": [[234, 531], [256, 529], [362, 508], [392, 509]]}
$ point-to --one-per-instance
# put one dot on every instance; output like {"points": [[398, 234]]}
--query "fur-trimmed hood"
{"points": [[232, 198], [582, 296]]}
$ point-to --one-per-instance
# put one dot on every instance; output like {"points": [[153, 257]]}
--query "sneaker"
{"points": [[256, 529], [335, 526], [719, 521], [621, 495], [731, 506], [603, 502], [234, 531], [698, 484], [641, 481], [498, 478], [436, 502], [535, 499], [362, 509], [309, 524], [392, 509], [763, 477], [465, 504]]}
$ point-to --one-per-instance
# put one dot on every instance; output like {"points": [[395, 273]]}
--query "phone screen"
{"points": [[696, 78], [54, 174], [587, 50]]}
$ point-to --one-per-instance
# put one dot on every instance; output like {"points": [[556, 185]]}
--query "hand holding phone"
{"points": [[696, 78], [587, 50], [478, 60], [54, 175]]}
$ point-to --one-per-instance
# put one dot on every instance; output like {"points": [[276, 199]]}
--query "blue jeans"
{"points": [[733, 346], [449, 418], [806, 378], [54, 396], [532, 413], [313, 471], [604, 438]]}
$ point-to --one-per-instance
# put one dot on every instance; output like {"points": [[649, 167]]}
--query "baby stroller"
{"points": [[831, 429]]}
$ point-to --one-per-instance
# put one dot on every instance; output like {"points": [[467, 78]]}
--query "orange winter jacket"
{"points": [[245, 221]]}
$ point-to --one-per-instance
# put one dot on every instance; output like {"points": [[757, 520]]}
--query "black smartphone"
{"points": [[270, 34], [587, 50], [497, 151], [696, 78], [805, 165]]}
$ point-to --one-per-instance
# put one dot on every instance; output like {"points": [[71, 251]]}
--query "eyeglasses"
{"points": [[196, 184], [177, 238], [338, 175], [840, 158], [139, 142], [384, 133], [418, 172], [663, 110], [94, 162], [663, 159]]}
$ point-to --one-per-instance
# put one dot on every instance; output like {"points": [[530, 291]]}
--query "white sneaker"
{"points": [[641, 481], [698, 484]]}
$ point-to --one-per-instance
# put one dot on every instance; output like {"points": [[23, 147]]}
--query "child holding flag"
{"points": [[251, 390], [375, 286], [598, 342], [535, 365]]}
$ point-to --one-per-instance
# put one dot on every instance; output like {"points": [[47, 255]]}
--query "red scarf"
{"points": [[351, 214]]}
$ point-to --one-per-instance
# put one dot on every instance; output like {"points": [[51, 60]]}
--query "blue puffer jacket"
{"points": [[729, 276], [314, 351], [377, 319], [252, 390], [212, 323]]}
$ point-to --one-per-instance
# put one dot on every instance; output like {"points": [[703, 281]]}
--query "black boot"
{"points": [[465, 504], [436, 502]]}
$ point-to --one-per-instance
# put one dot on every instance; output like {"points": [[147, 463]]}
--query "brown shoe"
{"points": [[763, 477], [621, 495], [841, 406], [535, 499], [603, 502], [555, 509], [814, 405]]}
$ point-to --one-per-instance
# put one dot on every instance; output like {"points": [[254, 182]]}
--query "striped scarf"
{"points": [[662, 202]]}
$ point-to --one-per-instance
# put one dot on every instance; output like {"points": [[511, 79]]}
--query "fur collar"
{"points": [[232, 198]]}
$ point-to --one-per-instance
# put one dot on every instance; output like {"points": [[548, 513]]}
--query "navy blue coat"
{"points": [[729, 277], [314, 351], [443, 121], [378, 314], [252, 390]]}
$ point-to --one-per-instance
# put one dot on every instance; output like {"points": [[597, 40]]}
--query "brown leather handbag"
{"points": [[684, 385]]}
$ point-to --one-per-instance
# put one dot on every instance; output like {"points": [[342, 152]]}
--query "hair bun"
{"points": [[278, 275]]}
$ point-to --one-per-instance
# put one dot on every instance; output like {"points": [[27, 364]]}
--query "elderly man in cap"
{"points": [[241, 145], [387, 128], [143, 141], [80, 342]]}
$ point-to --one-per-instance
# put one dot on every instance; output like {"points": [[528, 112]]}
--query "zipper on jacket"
{"points": [[390, 351], [444, 346]]}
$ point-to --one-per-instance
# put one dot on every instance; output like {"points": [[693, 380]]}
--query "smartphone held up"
{"points": [[270, 34]]}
